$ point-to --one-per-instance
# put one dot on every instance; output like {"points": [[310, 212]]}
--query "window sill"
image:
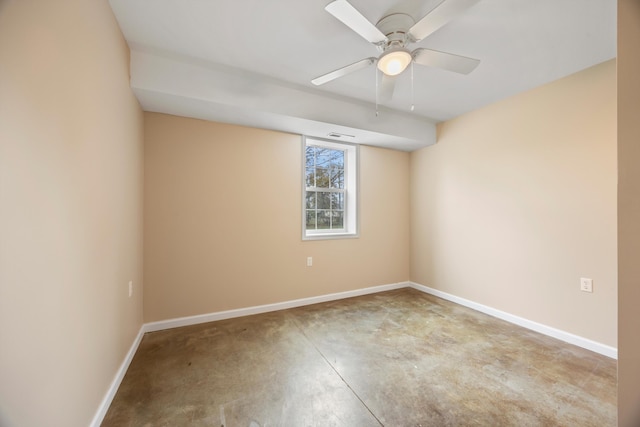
{"points": [[330, 236]]}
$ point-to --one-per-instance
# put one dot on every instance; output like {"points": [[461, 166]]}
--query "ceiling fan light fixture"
{"points": [[394, 62]]}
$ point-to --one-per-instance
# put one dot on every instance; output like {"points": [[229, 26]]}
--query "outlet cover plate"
{"points": [[586, 285]]}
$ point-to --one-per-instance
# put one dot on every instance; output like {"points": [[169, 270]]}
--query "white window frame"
{"points": [[351, 199]]}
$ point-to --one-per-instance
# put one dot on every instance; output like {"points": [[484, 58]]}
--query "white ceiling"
{"points": [[251, 61]]}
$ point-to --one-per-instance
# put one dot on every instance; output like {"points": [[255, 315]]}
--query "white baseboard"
{"points": [[594, 346], [115, 384], [229, 314]]}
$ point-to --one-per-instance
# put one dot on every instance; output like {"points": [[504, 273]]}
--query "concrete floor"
{"points": [[398, 358]]}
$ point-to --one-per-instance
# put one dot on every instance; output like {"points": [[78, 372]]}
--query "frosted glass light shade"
{"points": [[394, 62]]}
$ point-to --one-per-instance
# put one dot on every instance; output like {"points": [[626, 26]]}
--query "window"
{"points": [[329, 190]]}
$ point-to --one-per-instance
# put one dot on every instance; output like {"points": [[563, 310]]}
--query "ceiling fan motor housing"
{"points": [[396, 28]]}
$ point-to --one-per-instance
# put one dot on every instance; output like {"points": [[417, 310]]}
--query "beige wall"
{"points": [[70, 210], [628, 213], [223, 221], [517, 201]]}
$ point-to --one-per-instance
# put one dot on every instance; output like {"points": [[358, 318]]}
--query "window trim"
{"points": [[352, 194]]}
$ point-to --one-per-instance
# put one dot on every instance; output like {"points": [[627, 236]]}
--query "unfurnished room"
{"points": [[339, 213]]}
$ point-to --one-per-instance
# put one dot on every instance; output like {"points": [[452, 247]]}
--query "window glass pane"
{"points": [[337, 219], [311, 220], [311, 200], [310, 177], [337, 178], [322, 177], [323, 157], [324, 200], [324, 219], [337, 201], [310, 154], [337, 159]]}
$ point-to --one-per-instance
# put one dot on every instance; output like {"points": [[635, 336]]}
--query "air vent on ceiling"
{"points": [[340, 135]]}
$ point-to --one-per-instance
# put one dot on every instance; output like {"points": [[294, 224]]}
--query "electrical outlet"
{"points": [[130, 288], [586, 285], [309, 261]]}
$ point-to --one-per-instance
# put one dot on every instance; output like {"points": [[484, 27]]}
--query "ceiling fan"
{"points": [[392, 34]]}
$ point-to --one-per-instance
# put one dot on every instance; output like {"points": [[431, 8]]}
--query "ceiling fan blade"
{"points": [[343, 71], [443, 13], [387, 85], [353, 19], [445, 61]]}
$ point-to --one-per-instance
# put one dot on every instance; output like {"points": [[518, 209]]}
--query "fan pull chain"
{"points": [[413, 97]]}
